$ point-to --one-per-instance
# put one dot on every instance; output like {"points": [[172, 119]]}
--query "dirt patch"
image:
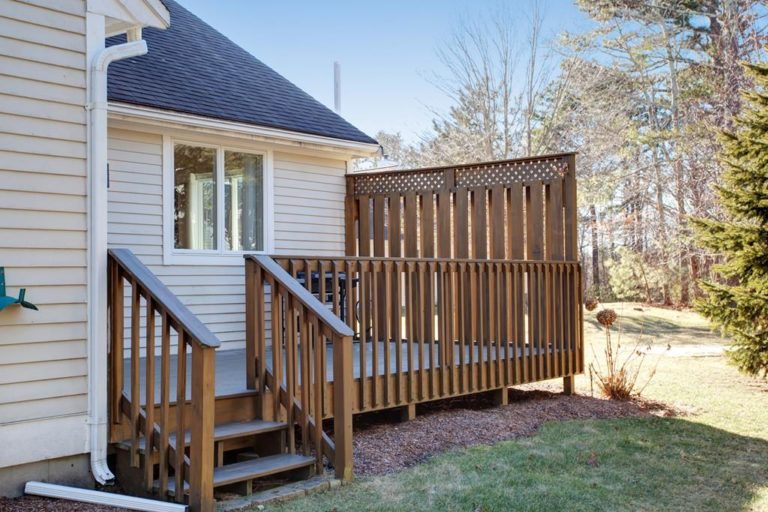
{"points": [[384, 445], [39, 504]]}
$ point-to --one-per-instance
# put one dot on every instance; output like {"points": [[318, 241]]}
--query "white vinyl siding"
{"points": [[309, 219], [43, 377]]}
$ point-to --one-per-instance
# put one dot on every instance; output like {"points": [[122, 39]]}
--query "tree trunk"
{"points": [[595, 251]]}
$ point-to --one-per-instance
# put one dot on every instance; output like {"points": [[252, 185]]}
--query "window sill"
{"points": [[206, 258]]}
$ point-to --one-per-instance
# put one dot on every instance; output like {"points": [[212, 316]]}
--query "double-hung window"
{"points": [[219, 201]]}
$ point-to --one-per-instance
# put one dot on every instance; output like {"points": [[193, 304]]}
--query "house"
{"points": [[209, 274]]}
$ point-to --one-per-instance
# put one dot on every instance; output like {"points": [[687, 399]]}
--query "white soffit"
{"points": [[120, 15]]}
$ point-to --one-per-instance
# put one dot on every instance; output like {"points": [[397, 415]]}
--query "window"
{"points": [[218, 201]]}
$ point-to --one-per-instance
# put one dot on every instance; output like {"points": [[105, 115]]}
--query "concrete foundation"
{"points": [[73, 470]]}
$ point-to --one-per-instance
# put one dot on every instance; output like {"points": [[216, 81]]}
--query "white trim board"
{"points": [[166, 119]]}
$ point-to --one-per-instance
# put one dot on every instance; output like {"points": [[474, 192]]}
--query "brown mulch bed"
{"points": [[40, 504], [382, 444]]}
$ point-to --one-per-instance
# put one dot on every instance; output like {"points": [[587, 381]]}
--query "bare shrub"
{"points": [[618, 378]]}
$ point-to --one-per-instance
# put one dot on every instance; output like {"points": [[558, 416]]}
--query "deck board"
{"points": [[230, 364]]}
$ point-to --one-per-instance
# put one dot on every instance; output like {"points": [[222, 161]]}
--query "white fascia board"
{"points": [[169, 119]]}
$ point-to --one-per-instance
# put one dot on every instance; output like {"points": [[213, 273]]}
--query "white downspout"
{"points": [[97, 248]]}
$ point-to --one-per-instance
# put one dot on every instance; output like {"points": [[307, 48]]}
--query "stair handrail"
{"points": [[156, 428], [165, 297], [302, 294], [260, 268]]}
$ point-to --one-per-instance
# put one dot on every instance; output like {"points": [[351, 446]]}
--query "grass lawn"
{"points": [[715, 457]]}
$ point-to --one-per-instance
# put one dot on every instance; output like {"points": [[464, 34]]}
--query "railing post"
{"points": [[201, 449], [342, 405]]}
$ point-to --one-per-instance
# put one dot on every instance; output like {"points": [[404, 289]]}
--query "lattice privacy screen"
{"points": [[514, 210]]}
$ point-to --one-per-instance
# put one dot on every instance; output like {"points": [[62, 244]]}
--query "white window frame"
{"points": [[220, 256]]}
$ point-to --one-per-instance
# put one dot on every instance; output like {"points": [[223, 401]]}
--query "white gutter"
{"points": [[101, 498], [97, 250], [167, 118]]}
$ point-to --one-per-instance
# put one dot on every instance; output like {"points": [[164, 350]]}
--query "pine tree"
{"points": [[738, 304]]}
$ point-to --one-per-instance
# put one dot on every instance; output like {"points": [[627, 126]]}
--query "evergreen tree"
{"points": [[739, 302]]}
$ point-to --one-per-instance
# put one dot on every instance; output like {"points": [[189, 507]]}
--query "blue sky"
{"points": [[387, 50]]}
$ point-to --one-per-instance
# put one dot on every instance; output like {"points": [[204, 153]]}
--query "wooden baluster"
{"points": [[498, 323], [561, 318], [474, 339], [181, 398], [377, 321], [306, 377], [117, 333], [335, 288], [277, 346], [451, 321], [542, 329], [165, 401], [363, 290], [388, 336], [410, 329], [201, 446], [149, 400], [462, 309], [135, 372], [261, 339], [491, 332], [568, 308], [580, 316], [521, 368], [349, 294], [532, 312], [442, 351], [397, 294], [318, 342], [510, 313], [432, 291], [547, 298], [421, 341], [290, 369]]}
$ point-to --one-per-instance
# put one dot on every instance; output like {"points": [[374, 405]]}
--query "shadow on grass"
{"points": [[635, 463]]}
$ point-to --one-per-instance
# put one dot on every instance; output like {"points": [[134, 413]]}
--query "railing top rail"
{"points": [[301, 294], [422, 260], [512, 161], [164, 297]]}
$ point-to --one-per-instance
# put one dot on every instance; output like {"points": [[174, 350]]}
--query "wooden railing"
{"points": [[438, 328], [290, 362], [148, 429]]}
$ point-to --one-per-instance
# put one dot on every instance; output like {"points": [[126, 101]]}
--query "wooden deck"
{"points": [[230, 364], [474, 267]]}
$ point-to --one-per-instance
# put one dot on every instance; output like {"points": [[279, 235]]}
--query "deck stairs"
{"points": [[247, 453]]}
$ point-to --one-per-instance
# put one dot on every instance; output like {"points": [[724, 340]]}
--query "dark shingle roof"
{"points": [[194, 69]]}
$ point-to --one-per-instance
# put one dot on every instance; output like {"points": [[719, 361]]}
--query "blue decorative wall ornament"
{"points": [[6, 301]]}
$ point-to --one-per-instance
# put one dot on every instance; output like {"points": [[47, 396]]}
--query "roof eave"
{"points": [[122, 15], [168, 118]]}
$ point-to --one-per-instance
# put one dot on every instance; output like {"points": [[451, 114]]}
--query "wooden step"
{"points": [[223, 432], [251, 470], [259, 468]]}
